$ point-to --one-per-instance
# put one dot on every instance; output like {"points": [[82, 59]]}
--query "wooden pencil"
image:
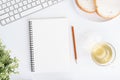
{"points": [[74, 43]]}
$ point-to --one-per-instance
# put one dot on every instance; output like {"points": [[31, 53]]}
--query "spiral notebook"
{"points": [[49, 44]]}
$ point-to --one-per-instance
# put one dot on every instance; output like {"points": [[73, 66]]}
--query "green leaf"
{"points": [[8, 65], [1, 65]]}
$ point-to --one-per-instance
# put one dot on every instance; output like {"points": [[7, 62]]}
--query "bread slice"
{"points": [[86, 5], [107, 9]]}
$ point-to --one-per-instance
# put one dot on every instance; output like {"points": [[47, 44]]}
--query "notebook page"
{"points": [[51, 44]]}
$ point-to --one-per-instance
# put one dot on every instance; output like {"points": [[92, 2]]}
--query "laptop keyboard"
{"points": [[12, 10]]}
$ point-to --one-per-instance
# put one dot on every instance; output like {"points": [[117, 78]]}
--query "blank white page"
{"points": [[51, 44]]}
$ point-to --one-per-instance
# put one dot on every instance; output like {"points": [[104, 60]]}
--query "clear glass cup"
{"points": [[103, 53]]}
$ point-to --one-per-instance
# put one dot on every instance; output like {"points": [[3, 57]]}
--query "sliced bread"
{"points": [[86, 5], [107, 9]]}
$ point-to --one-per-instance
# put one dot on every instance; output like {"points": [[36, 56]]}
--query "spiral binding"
{"points": [[31, 47]]}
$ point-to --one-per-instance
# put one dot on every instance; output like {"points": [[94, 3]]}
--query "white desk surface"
{"points": [[15, 36]]}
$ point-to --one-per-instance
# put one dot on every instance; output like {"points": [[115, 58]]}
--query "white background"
{"points": [[16, 37]]}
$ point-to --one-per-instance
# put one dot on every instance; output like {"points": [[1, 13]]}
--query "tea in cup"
{"points": [[103, 53]]}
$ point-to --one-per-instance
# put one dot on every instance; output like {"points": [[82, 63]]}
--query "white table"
{"points": [[16, 37]]}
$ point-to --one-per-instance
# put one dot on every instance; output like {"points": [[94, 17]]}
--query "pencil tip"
{"points": [[76, 61]]}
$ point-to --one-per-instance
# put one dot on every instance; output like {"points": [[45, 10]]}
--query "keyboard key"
{"points": [[55, 2], [50, 3], [15, 11], [4, 1], [31, 10], [4, 6], [16, 6], [17, 1], [0, 7], [42, 1], [3, 22], [60, 0], [20, 9], [11, 13], [4, 16], [33, 4], [0, 2], [12, 2], [37, 2], [45, 5], [11, 8], [29, 6], [8, 4], [24, 7], [20, 4], [17, 16], [24, 2], [7, 10], [29, 1], [7, 20], [12, 18], [2, 12]]}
